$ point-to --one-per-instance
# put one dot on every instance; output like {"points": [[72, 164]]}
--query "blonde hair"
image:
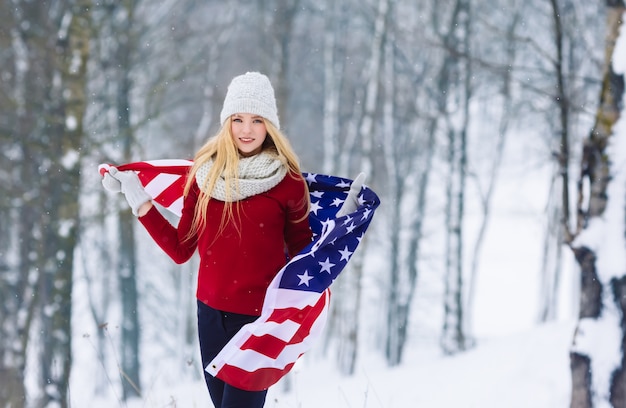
{"points": [[221, 149]]}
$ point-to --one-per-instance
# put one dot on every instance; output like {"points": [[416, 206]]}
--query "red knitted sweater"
{"points": [[237, 265]]}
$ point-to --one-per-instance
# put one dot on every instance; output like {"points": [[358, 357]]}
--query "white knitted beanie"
{"points": [[250, 93]]}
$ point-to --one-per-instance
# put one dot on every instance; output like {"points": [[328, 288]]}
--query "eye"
{"points": [[238, 120], [258, 121]]}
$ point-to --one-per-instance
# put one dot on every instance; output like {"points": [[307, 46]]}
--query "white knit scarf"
{"points": [[257, 174]]}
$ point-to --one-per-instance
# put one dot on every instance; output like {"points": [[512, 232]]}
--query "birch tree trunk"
{"points": [[397, 307], [597, 361], [453, 336], [127, 266], [332, 81], [336, 159]]}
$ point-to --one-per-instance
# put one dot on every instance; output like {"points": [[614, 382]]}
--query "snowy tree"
{"points": [[409, 127], [503, 115], [598, 354]]}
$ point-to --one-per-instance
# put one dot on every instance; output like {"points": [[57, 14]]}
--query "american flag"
{"points": [[297, 300]]}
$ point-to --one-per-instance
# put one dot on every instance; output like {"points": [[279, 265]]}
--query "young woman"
{"points": [[245, 210]]}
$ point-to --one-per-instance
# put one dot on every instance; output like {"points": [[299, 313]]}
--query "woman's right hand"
{"points": [[128, 183]]}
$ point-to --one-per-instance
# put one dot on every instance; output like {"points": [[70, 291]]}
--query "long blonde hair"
{"points": [[221, 149]]}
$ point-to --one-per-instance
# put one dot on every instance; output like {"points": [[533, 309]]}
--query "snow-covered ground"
{"points": [[526, 369]]}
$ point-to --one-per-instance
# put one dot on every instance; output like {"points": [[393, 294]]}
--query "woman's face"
{"points": [[249, 133]]}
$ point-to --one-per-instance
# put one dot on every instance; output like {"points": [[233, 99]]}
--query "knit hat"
{"points": [[250, 93]]}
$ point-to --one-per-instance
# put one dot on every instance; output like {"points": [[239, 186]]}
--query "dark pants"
{"points": [[215, 329]]}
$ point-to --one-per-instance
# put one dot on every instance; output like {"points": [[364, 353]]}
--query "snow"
{"points": [[501, 370], [70, 159], [65, 226], [516, 362], [526, 369], [601, 339], [619, 54], [71, 123], [76, 63]]}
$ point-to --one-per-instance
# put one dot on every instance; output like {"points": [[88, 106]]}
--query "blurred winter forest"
{"points": [[425, 97]]}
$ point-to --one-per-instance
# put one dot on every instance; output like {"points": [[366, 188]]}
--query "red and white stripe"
{"points": [[164, 180], [262, 352]]}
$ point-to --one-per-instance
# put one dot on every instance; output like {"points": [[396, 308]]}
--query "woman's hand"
{"points": [[128, 183], [351, 203]]}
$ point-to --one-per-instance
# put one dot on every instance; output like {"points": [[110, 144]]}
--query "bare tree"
{"points": [[409, 134], [332, 85], [558, 209], [122, 72], [486, 190], [366, 130], [51, 49], [116, 39], [20, 216], [455, 79], [284, 16]]}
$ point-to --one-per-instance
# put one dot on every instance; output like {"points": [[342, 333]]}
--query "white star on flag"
{"points": [[345, 254], [304, 278], [326, 265], [315, 207]]}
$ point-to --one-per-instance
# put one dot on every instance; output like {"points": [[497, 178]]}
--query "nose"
{"points": [[247, 127]]}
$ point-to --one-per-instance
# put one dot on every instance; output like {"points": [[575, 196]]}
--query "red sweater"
{"points": [[237, 266]]}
